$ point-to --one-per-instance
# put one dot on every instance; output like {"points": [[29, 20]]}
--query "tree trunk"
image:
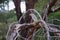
{"points": [[29, 5], [26, 33], [28, 18], [18, 10]]}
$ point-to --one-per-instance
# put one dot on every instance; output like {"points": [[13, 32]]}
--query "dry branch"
{"points": [[55, 30], [56, 9], [15, 27], [41, 23], [53, 25], [48, 9]]}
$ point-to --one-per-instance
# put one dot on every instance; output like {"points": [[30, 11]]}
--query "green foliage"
{"points": [[8, 17], [4, 17], [40, 5], [55, 15], [2, 1], [40, 35], [3, 30], [10, 20]]}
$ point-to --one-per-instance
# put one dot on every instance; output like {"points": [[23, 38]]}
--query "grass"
{"points": [[3, 31]]}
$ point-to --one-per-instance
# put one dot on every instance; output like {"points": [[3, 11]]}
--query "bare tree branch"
{"points": [[48, 8], [53, 25], [56, 9]]}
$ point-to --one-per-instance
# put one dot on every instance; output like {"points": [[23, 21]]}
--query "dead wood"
{"points": [[48, 9], [56, 9]]}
